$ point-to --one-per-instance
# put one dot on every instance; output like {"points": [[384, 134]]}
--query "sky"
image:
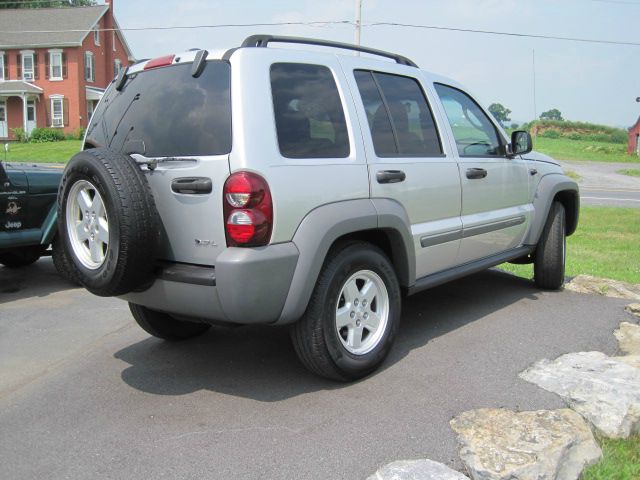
{"points": [[586, 82]]}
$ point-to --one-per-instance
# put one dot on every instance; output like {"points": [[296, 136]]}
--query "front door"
{"points": [[3, 119], [496, 210], [31, 116]]}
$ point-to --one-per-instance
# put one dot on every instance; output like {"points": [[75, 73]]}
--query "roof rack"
{"points": [[264, 40]]}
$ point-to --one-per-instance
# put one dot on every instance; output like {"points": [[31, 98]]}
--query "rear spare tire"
{"points": [[107, 222]]}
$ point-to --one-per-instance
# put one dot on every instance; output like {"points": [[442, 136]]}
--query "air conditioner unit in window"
{"points": [[27, 76], [57, 122]]}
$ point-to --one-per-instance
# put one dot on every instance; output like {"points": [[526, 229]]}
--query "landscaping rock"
{"points": [[633, 360], [628, 335], [603, 390], [604, 286], [633, 309], [416, 470], [499, 444]]}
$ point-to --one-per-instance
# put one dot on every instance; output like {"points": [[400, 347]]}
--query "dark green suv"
{"points": [[28, 214]]}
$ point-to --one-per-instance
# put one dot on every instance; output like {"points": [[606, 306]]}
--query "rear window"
{"points": [[309, 117], [173, 113]]}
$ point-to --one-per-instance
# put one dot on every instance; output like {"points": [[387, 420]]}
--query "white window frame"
{"points": [[113, 40], [117, 66], [57, 121], [24, 55], [96, 36], [53, 54], [3, 73], [90, 62]]}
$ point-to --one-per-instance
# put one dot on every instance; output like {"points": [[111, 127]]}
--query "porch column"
{"points": [[24, 113]]}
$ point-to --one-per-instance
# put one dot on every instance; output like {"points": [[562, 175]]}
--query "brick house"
{"points": [[51, 78], [633, 147]]}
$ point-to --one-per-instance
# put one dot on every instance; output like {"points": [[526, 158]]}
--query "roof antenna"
{"points": [[199, 63], [121, 79]]}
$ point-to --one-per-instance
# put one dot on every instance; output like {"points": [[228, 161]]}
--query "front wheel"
{"points": [[551, 252], [353, 315], [163, 325]]}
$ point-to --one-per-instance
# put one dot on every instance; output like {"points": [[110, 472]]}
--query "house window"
{"points": [[89, 67], [96, 36], [55, 65], [2, 74], [90, 108], [57, 112], [27, 66], [113, 40], [117, 66]]}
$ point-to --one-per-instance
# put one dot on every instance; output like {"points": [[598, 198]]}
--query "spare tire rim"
{"points": [[362, 312], [87, 224]]}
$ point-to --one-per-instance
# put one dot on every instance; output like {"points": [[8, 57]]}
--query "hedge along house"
{"points": [[633, 147], [55, 64]]}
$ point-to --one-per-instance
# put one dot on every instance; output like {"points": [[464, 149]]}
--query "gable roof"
{"points": [[74, 23]]}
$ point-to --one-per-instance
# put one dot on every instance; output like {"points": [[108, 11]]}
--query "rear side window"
{"points": [[400, 119], [309, 117], [173, 113]]}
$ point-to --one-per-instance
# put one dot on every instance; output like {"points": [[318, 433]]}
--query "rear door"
{"points": [[496, 210], [408, 161], [184, 123]]}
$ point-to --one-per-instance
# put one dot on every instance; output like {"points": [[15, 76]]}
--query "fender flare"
{"points": [[549, 188], [324, 225]]}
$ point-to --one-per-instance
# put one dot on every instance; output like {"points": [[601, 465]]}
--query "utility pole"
{"points": [[358, 22], [535, 110]]}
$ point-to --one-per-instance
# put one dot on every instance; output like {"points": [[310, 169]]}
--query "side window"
{"points": [[474, 133], [310, 121], [400, 120]]}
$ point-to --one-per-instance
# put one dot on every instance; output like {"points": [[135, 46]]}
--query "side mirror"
{"points": [[521, 143]]}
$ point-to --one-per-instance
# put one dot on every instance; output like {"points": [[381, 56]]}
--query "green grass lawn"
{"points": [[620, 461], [632, 172], [49, 152], [606, 244], [567, 149]]}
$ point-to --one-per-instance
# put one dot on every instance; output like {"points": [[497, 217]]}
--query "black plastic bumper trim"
{"points": [[187, 273]]}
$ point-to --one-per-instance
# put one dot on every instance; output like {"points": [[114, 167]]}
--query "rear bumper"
{"points": [[247, 286]]}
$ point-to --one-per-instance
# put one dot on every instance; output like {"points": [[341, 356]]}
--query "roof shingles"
{"points": [[80, 19]]}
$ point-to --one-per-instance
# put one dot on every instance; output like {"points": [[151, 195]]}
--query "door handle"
{"points": [[192, 185], [390, 176], [476, 173]]}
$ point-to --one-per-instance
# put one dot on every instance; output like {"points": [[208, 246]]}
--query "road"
{"points": [[600, 184], [84, 393]]}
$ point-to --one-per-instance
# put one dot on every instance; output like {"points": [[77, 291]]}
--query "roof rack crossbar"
{"points": [[264, 40]]}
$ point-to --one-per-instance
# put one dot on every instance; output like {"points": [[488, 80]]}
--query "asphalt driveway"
{"points": [[84, 393]]}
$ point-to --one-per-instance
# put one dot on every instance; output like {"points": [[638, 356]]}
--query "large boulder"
{"points": [[633, 309], [500, 444], [628, 335], [416, 470], [603, 390], [604, 286]]}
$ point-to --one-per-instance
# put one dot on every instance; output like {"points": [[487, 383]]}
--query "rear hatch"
{"points": [[179, 128]]}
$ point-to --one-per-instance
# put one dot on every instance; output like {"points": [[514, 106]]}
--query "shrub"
{"points": [[42, 135], [551, 134], [80, 133], [20, 134]]}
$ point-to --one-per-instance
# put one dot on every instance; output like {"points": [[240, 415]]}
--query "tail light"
{"points": [[248, 210]]}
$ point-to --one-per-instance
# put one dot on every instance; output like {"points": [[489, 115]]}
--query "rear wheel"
{"points": [[548, 267], [352, 317], [163, 325], [21, 257]]}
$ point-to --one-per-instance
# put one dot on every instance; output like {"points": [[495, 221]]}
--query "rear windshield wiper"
{"points": [[152, 163]]}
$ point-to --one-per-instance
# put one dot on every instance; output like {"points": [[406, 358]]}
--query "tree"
{"points": [[500, 113], [553, 114], [45, 3]]}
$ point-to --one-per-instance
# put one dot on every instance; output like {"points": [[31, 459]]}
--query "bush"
{"points": [[42, 135], [80, 133], [551, 134], [20, 134]]}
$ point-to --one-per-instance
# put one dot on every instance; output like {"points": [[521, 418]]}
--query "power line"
{"points": [[620, 2], [508, 34], [347, 22]]}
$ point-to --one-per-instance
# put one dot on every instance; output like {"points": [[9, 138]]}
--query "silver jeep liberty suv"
{"points": [[260, 185]]}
